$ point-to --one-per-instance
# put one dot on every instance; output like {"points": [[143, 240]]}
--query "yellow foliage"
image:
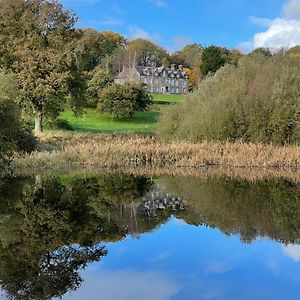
{"points": [[194, 75]]}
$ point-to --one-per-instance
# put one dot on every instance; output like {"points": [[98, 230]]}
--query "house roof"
{"points": [[161, 71]]}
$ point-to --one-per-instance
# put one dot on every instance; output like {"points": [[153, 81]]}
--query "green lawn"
{"points": [[167, 98], [143, 122], [91, 121]]}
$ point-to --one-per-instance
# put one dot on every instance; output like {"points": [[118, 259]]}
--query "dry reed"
{"points": [[120, 151]]}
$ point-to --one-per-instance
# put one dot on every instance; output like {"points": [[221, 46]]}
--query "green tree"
{"points": [[37, 34], [14, 136], [265, 52], [94, 48], [121, 101], [144, 53], [213, 59], [99, 81]]}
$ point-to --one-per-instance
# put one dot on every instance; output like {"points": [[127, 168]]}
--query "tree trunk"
{"points": [[38, 128]]}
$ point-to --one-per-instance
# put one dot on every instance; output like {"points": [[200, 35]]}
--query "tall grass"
{"points": [[132, 150], [257, 101]]}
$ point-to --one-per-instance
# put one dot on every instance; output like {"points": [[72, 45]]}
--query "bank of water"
{"points": [[124, 235]]}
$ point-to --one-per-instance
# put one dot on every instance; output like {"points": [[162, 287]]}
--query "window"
{"points": [[176, 82], [177, 90]]}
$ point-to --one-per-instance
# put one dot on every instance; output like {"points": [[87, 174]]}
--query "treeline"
{"points": [[58, 65], [256, 100]]}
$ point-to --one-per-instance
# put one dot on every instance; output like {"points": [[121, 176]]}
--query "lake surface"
{"points": [[124, 237]]}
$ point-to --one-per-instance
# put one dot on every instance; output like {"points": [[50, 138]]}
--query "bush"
{"points": [[121, 101], [257, 101]]}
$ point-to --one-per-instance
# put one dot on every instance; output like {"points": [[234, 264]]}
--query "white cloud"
{"points": [[291, 10], [264, 22], [281, 32], [125, 285], [178, 42], [292, 251], [136, 32]]}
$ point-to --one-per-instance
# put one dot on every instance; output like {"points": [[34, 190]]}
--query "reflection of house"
{"points": [[158, 80]]}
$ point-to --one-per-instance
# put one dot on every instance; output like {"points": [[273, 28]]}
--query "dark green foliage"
{"points": [[213, 58], [54, 229], [99, 80], [258, 101], [121, 101], [261, 52], [14, 136]]}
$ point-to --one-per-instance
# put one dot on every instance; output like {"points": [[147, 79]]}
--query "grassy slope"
{"points": [[167, 98], [143, 122]]}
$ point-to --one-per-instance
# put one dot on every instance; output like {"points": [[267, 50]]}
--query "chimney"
{"points": [[180, 67]]}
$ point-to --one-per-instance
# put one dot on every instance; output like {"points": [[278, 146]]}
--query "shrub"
{"points": [[257, 101], [121, 101]]}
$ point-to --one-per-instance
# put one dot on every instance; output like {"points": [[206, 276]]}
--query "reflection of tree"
{"points": [[53, 228], [50, 228], [268, 208]]}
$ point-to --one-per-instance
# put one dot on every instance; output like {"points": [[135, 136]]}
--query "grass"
{"points": [[142, 122], [167, 98], [92, 122]]}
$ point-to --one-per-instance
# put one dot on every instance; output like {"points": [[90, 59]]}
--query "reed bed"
{"points": [[62, 151]]}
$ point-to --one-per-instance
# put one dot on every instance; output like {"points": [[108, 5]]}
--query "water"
{"points": [[119, 236]]}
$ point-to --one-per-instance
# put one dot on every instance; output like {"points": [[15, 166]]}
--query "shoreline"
{"points": [[63, 151]]}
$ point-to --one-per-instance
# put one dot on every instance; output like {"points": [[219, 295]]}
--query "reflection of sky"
{"points": [[182, 262]]}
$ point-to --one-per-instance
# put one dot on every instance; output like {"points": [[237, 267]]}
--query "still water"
{"points": [[125, 237]]}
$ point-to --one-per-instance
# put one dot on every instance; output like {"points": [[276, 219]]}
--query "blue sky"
{"points": [[243, 24]]}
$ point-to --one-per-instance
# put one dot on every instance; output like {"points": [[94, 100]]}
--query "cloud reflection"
{"points": [[125, 285], [292, 251]]}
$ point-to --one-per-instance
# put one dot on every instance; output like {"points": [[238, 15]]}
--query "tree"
{"points": [[190, 56], [95, 48], [193, 77], [37, 33], [144, 53], [14, 136], [99, 81], [264, 52], [121, 101], [213, 59]]}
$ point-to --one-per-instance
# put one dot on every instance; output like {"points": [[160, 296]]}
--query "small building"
{"points": [[157, 79]]}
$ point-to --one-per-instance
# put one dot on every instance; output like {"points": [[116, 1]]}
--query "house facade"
{"points": [[158, 80]]}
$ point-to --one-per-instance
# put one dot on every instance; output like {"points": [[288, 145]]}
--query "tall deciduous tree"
{"points": [[37, 34], [145, 53], [95, 48]]}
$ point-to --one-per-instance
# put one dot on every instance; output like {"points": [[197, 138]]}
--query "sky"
{"points": [[242, 24]]}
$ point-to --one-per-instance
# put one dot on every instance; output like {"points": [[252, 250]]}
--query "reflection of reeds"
{"points": [[136, 151]]}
